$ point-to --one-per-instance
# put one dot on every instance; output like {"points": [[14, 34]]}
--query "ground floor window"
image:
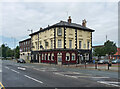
{"points": [[52, 56], [48, 56], [67, 57], [73, 56], [45, 56]]}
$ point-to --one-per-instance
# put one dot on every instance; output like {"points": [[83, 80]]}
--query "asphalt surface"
{"points": [[36, 75]]}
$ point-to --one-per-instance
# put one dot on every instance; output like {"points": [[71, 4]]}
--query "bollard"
{"points": [[95, 64], [85, 64], [108, 66]]}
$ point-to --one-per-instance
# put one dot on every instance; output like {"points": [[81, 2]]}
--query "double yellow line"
{"points": [[1, 86]]}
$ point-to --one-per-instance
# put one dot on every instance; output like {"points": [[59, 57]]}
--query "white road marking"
{"points": [[33, 79], [0, 70], [59, 74], [7, 68], [109, 83], [100, 77], [71, 76], [21, 68], [15, 71]]}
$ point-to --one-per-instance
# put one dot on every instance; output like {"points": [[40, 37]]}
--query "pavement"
{"points": [[18, 75]]}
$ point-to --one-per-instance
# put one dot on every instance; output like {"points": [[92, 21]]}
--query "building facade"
{"points": [[25, 49], [117, 54], [62, 43]]}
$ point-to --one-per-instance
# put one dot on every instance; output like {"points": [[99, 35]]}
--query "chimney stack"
{"points": [[84, 23], [40, 29], [69, 19]]}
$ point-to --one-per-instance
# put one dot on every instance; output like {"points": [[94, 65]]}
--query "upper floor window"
{"points": [[79, 44], [59, 32], [59, 43], [70, 43], [46, 44], [36, 45], [84, 45], [88, 44]]}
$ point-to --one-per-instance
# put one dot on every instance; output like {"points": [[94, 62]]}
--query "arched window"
{"points": [[67, 57], [48, 56], [45, 56], [52, 56], [73, 56]]}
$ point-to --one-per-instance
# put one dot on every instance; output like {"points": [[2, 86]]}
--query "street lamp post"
{"points": [[30, 43]]}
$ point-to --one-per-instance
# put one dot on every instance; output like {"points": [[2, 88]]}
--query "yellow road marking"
{"points": [[1, 86]]}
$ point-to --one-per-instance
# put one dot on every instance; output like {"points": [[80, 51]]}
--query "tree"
{"points": [[5, 51], [110, 47], [99, 51], [3, 48], [17, 53]]}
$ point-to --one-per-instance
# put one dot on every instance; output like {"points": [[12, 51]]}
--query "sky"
{"points": [[17, 17]]}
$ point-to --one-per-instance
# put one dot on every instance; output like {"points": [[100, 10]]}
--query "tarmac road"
{"points": [[35, 75]]}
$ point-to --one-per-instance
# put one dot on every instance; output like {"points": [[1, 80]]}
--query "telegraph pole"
{"points": [[106, 38]]}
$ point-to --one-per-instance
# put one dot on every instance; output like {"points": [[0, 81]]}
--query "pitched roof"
{"points": [[65, 24]]}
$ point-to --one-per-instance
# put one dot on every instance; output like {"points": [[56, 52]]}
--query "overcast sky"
{"points": [[18, 17]]}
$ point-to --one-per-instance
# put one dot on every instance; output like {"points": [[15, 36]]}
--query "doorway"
{"points": [[59, 58]]}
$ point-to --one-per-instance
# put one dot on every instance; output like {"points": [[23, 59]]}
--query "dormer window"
{"points": [[59, 31]]}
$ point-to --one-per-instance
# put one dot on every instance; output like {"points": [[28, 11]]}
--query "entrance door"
{"points": [[59, 58]]}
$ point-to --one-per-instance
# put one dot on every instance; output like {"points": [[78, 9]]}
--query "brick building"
{"points": [[25, 49]]}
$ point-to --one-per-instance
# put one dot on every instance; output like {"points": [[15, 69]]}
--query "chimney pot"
{"points": [[40, 29], [84, 23], [69, 19]]}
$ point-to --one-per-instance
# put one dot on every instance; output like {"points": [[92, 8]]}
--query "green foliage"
{"points": [[5, 51], [109, 48], [17, 52], [99, 51]]}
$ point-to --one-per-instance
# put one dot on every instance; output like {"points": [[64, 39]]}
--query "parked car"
{"points": [[116, 61], [101, 62], [21, 61], [106, 61]]}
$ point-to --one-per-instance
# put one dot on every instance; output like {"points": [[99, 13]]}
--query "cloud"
{"points": [[18, 17]]}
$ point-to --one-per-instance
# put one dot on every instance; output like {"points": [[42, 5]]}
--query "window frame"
{"points": [[80, 44], [59, 43], [59, 31], [70, 44]]}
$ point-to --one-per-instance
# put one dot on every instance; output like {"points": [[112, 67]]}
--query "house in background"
{"points": [[117, 54], [62, 43], [25, 49]]}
